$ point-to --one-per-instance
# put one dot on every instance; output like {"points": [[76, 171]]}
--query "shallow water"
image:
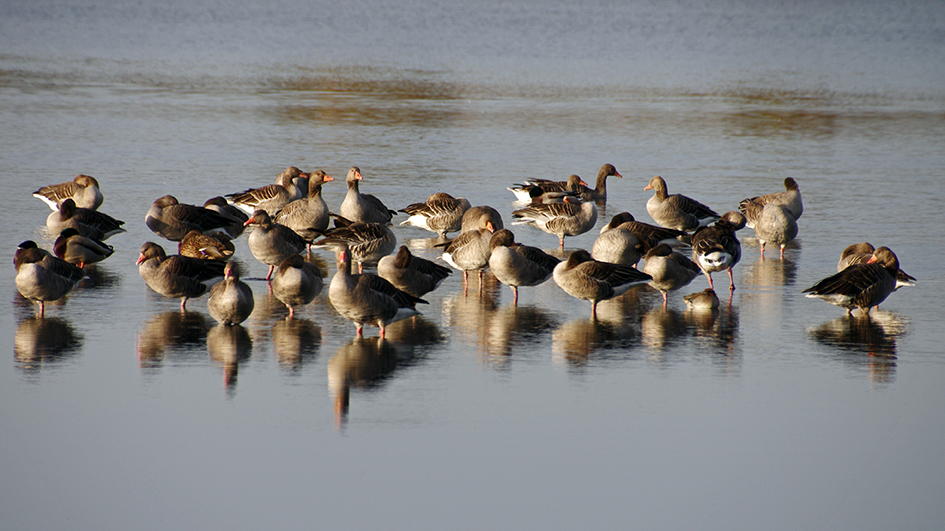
{"points": [[777, 412]]}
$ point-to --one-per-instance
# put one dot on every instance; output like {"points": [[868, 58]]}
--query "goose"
{"points": [[410, 273], [360, 207], [215, 246], [618, 246], [473, 220], [526, 192], [569, 218], [237, 217], [87, 222], [367, 299], [538, 196], [441, 213], [773, 223], [270, 198], [176, 276], [172, 220], [860, 253], [599, 192], [702, 300], [670, 270], [860, 285], [83, 190], [676, 211], [80, 250], [366, 242], [470, 250], [271, 243], [716, 248], [789, 198], [231, 300], [42, 277], [296, 283], [518, 265], [649, 235], [582, 277], [308, 216]]}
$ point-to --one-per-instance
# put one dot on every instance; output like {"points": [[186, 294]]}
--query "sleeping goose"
{"points": [[473, 218], [87, 222], [42, 277], [80, 250], [470, 250], [296, 283], [440, 213], [584, 278], [367, 242], [860, 253], [716, 248], [231, 300], [176, 276], [364, 208], [702, 300], [670, 270], [237, 217], [270, 198], [569, 218], [410, 273], [860, 285], [172, 220], [83, 190], [676, 211], [215, 246], [518, 265]]}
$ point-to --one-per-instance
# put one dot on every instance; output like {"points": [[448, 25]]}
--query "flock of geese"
{"points": [[290, 216]]}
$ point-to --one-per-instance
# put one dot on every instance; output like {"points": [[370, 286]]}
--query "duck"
{"points": [[176, 276], [172, 220], [270, 242], [702, 300], [518, 265], [582, 277], [42, 277], [860, 253], [214, 246], [860, 285], [296, 283], [87, 222], [676, 211], [570, 218], [272, 197], [717, 247], [308, 216], [237, 217], [773, 223], [670, 270], [83, 190], [80, 250], [473, 218], [470, 250], [366, 242], [412, 274], [440, 213], [367, 299], [364, 208], [526, 192], [790, 198], [231, 300]]}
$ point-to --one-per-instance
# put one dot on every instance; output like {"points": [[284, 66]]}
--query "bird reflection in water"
{"points": [[469, 315], [612, 333], [660, 328], [99, 277], [295, 342], [44, 341], [769, 273], [863, 341], [512, 327], [229, 346], [175, 332], [365, 363], [715, 332]]}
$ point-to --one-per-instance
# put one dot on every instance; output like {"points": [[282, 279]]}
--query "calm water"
{"points": [[119, 412]]}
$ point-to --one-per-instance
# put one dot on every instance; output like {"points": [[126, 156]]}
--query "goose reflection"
{"points": [[295, 342], [99, 277], [715, 332], [575, 341], [229, 346], [769, 273], [365, 363], [44, 341], [417, 331], [513, 327], [661, 327], [426, 243], [469, 314], [174, 331], [865, 341]]}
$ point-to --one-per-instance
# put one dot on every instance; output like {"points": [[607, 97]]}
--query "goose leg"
{"points": [[731, 279], [514, 296]]}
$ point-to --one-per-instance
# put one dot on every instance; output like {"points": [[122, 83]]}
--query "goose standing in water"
{"points": [[670, 270], [441, 213], [80, 250], [569, 218], [470, 250], [231, 300], [790, 198], [367, 242], [410, 273], [473, 218], [773, 223], [83, 190], [273, 197], [176, 276], [296, 283], [364, 208], [518, 265], [91, 223], [172, 220], [860, 285], [676, 211], [42, 277], [716, 248], [272, 243], [582, 277], [308, 216]]}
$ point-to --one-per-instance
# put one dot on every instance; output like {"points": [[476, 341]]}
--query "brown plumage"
{"points": [[676, 211], [440, 213], [518, 265], [790, 198], [363, 208], [670, 270], [308, 216], [231, 300], [215, 246], [271, 243], [584, 278], [860, 285], [80, 250], [87, 222], [176, 276], [569, 218], [42, 277], [83, 190], [410, 273], [716, 248], [367, 242], [273, 197], [296, 282], [172, 220]]}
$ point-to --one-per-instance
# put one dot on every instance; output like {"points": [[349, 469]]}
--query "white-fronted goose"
{"points": [[271, 243], [364, 208], [861, 253], [584, 278], [470, 250], [308, 216], [91, 223], [367, 299], [296, 282], [716, 248], [569, 218], [441, 213], [270, 198], [237, 217], [676, 211], [42, 277], [367, 242], [526, 192], [172, 220], [860, 285], [231, 300], [703, 300], [80, 250], [83, 190], [473, 218], [176, 276], [410, 273], [518, 265], [670, 270], [216, 246], [789, 198], [773, 223]]}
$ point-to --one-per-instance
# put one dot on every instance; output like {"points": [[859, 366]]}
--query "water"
{"points": [[777, 413]]}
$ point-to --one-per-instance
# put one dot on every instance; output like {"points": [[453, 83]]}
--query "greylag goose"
{"points": [[473, 220], [176, 276], [270, 198], [441, 213], [296, 283], [215, 246], [172, 220], [569, 218], [716, 248], [789, 198], [773, 223], [80, 250], [470, 250], [676, 211], [538, 196], [364, 208], [670, 270], [518, 265], [860, 285], [526, 192], [308, 216], [702, 300], [83, 190], [598, 193], [42, 277], [649, 235], [860, 253], [237, 217], [367, 299], [231, 300], [410, 273], [584, 278], [271, 243], [625, 240], [367, 242], [91, 223]]}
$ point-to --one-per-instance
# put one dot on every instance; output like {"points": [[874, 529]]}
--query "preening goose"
{"points": [[83, 190]]}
